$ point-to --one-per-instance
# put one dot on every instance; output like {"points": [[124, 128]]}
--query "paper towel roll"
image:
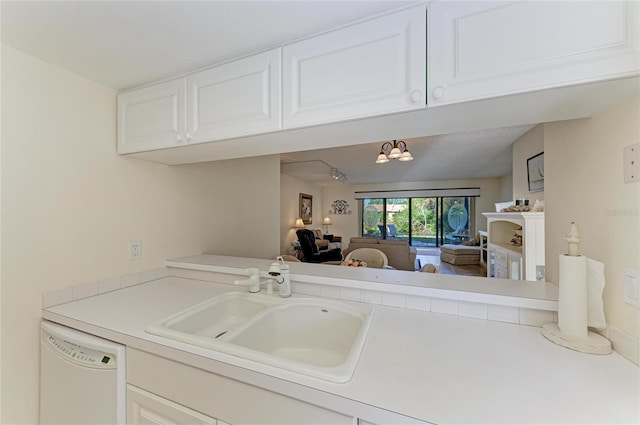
{"points": [[595, 286], [572, 296]]}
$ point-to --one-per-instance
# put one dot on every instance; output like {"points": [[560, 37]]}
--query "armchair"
{"points": [[310, 251], [327, 241]]}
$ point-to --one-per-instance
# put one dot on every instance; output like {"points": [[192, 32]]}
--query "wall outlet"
{"points": [[631, 163], [135, 250], [631, 286]]}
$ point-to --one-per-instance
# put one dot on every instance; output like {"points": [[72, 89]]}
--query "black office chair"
{"points": [[310, 251]]}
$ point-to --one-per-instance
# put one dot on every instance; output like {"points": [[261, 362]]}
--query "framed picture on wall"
{"points": [[306, 208], [535, 172]]}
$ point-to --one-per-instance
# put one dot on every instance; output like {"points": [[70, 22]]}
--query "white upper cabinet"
{"points": [[235, 99], [485, 49], [152, 117], [369, 68]]}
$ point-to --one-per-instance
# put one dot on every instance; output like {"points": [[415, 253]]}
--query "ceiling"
{"points": [[124, 44], [477, 154]]}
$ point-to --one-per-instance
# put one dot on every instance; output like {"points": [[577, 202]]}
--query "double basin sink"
{"points": [[315, 337]]}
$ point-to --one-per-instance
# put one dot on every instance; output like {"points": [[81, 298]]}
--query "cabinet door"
{"points": [[152, 117], [485, 49], [146, 408], [369, 68], [515, 266], [235, 99]]}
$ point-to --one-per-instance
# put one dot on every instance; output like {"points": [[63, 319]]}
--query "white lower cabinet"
{"points": [[163, 391], [144, 408], [482, 49], [507, 263], [214, 396]]}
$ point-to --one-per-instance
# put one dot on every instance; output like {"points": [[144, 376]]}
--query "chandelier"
{"points": [[396, 150]]}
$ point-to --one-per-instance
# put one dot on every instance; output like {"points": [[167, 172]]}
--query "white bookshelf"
{"points": [[508, 261]]}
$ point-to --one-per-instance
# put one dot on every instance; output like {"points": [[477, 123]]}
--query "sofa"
{"points": [[401, 256]]}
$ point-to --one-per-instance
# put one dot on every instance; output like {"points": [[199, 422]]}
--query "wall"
{"points": [[242, 207], [529, 144], [290, 189], [70, 205], [506, 187], [583, 163], [347, 225]]}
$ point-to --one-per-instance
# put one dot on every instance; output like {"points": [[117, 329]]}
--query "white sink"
{"points": [[316, 337], [211, 318]]}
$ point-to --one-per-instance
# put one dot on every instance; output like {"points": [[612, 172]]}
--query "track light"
{"points": [[336, 174]]}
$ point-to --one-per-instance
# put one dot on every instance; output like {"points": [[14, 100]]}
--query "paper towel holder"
{"points": [[593, 344], [583, 340]]}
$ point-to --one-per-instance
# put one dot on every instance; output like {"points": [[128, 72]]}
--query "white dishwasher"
{"points": [[82, 378]]}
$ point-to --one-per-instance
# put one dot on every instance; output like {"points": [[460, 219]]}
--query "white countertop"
{"points": [[526, 294], [436, 368]]}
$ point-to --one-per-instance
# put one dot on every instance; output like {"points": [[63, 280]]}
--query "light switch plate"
{"points": [[631, 286], [631, 163]]}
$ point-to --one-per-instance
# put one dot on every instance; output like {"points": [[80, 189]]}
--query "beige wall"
{"points": [[529, 144], [70, 205], [506, 188], [242, 207], [583, 165], [290, 189], [347, 225]]}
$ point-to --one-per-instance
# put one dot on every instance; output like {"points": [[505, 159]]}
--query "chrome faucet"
{"points": [[278, 271]]}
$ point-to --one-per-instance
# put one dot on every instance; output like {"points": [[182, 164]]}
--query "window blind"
{"points": [[420, 193]]}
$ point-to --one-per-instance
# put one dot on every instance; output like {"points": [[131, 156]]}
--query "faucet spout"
{"points": [[283, 278]]}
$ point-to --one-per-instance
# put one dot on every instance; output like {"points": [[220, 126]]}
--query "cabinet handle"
{"points": [[438, 92], [416, 95], [188, 137], [179, 137]]}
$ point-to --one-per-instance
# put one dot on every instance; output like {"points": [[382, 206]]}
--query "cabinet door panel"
{"points": [[144, 408], [151, 117], [235, 99], [373, 67], [485, 49], [223, 398]]}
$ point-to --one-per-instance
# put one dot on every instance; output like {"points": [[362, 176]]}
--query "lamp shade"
{"points": [[326, 220], [299, 224], [395, 153], [382, 158], [406, 156]]}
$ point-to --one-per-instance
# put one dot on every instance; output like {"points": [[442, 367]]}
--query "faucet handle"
{"points": [[251, 271]]}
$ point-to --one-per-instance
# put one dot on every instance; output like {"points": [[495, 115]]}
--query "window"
{"points": [[431, 221]]}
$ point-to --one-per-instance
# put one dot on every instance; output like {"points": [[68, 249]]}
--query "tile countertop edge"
{"points": [[500, 292]]}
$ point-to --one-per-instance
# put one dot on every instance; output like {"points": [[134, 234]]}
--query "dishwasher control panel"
{"points": [[79, 354]]}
